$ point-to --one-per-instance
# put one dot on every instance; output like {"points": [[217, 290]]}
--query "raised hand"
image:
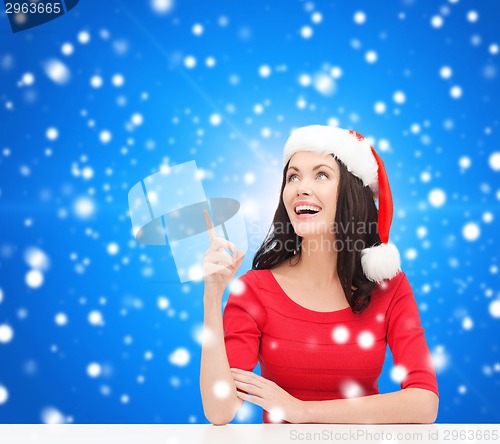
{"points": [[219, 267]]}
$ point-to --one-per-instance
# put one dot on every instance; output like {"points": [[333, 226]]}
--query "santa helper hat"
{"points": [[382, 261]]}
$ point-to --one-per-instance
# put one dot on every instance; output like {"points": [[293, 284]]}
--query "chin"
{"points": [[311, 229]]}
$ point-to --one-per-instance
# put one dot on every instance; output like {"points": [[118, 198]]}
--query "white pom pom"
{"points": [[380, 262]]}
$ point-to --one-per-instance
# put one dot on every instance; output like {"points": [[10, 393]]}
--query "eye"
{"points": [[291, 177], [322, 174]]}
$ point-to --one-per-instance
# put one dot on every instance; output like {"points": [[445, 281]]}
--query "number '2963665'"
{"points": [[33, 8]]}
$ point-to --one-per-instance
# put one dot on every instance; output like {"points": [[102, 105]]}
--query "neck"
{"points": [[318, 261]]}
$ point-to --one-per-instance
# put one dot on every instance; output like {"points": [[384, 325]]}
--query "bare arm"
{"points": [[408, 406], [218, 391]]}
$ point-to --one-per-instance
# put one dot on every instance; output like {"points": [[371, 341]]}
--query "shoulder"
{"points": [[246, 294], [396, 284], [257, 279], [390, 291]]}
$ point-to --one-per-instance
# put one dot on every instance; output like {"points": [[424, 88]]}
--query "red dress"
{"points": [[326, 355]]}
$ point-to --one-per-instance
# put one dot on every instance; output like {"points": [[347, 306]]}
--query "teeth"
{"points": [[300, 208]]}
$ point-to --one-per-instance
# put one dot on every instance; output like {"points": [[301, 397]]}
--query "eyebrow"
{"points": [[314, 169]]}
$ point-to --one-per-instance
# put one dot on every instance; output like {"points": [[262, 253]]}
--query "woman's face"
{"points": [[310, 193]]}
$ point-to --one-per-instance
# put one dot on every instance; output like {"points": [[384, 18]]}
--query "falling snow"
{"points": [[95, 318], [57, 71], [34, 278], [306, 32], [494, 308], [276, 415], [340, 335], [96, 82], [471, 231], [437, 197], [4, 395], [494, 161], [67, 49], [359, 17], [61, 319], [399, 97], [264, 71], [51, 415], [6, 333], [94, 370], [162, 6], [52, 133], [440, 359], [398, 373], [222, 389], [180, 357], [83, 37], [351, 389], [366, 340]]}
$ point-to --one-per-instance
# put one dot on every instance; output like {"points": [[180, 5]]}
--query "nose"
{"points": [[303, 188]]}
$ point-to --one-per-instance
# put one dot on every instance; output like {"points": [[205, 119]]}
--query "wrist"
{"points": [[308, 412], [304, 413], [212, 305], [212, 299]]}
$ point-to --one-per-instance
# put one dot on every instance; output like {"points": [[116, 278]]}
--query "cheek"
{"points": [[330, 196], [287, 196]]}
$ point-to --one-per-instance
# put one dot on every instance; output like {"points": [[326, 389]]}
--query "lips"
{"points": [[306, 210]]}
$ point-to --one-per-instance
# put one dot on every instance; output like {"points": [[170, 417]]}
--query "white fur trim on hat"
{"points": [[380, 262], [355, 154]]}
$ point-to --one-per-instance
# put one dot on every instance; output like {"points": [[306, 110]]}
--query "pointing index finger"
{"points": [[212, 234]]}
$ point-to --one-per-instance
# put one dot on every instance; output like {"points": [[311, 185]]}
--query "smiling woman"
{"points": [[323, 300], [313, 214]]}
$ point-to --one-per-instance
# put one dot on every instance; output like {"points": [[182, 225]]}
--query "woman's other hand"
{"points": [[268, 395]]}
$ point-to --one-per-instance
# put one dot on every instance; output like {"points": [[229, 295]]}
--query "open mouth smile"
{"points": [[306, 211]]}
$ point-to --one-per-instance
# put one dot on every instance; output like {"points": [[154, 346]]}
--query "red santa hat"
{"points": [[382, 261]]}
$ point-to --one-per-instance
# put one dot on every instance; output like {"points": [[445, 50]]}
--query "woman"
{"points": [[323, 299]]}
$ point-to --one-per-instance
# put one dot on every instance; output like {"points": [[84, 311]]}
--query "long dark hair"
{"points": [[355, 225]]}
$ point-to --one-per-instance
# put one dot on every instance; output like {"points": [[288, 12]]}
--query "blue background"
{"points": [[66, 197]]}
